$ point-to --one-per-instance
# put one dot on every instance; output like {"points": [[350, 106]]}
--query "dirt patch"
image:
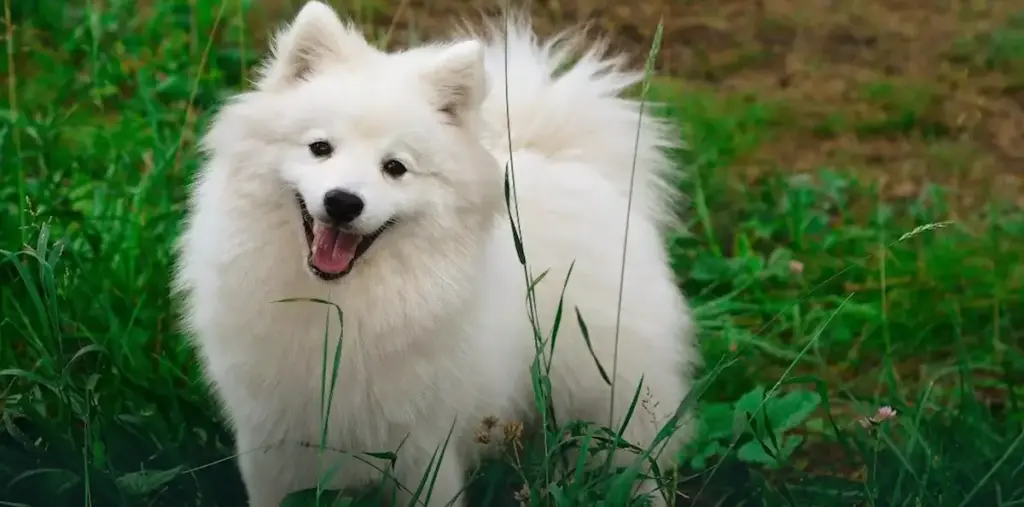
{"points": [[871, 86]]}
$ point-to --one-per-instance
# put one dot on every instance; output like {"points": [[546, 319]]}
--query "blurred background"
{"points": [[853, 242], [893, 88]]}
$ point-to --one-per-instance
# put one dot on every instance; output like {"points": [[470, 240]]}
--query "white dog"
{"points": [[375, 181]]}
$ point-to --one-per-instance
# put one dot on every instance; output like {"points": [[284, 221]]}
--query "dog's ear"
{"points": [[458, 80], [316, 36]]}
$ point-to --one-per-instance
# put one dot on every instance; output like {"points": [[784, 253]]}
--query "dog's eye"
{"points": [[393, 168], [321, 149]]}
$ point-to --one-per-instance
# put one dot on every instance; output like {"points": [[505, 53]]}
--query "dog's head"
{"points": [[371, 145]]}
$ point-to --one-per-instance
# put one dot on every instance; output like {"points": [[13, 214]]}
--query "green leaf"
{"points": [[715, 421], [746, 406], [793, 409], [146, 481], [749, 402], [52, 480], [709, 267], [699, 460], [753, 452]]}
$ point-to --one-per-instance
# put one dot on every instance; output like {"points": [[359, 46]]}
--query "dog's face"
{"points": [[370, 143]]}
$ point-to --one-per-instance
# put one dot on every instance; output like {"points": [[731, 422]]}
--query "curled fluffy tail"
{"points": [[564, 102]]}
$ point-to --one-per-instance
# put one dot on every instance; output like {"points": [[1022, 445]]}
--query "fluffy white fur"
{"points": [[436, 334]]}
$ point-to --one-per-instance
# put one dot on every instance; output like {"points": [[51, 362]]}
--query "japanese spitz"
{"points": [[376, 182]]}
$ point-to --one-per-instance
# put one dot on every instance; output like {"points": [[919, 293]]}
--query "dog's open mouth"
{"points": [[333, 250]]}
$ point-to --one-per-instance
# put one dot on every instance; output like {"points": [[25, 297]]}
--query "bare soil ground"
{"points": [[904, 92]]}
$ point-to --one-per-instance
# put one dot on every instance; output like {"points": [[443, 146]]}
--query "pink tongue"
{"points": [[333, 250]]}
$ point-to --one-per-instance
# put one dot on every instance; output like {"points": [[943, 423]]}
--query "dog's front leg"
{"points": [[272, 473]]}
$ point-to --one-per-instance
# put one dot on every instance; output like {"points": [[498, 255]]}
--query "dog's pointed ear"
{"points": [[458, 80], [316, 36]]}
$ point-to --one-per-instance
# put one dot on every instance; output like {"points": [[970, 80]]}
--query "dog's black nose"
{"points": [[343, 207]]}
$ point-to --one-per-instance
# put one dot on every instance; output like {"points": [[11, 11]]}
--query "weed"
{"points": [[818, 299]]}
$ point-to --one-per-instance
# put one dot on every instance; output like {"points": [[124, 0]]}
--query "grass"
{"points": [[816, 291]]}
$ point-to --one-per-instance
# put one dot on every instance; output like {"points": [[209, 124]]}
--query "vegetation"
{"points": [[853, 257]]}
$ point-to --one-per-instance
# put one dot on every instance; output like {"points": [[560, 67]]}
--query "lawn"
{"points": [[853, 250]]}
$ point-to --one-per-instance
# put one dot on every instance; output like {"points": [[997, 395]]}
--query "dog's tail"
{"points": [[564, 101]]}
